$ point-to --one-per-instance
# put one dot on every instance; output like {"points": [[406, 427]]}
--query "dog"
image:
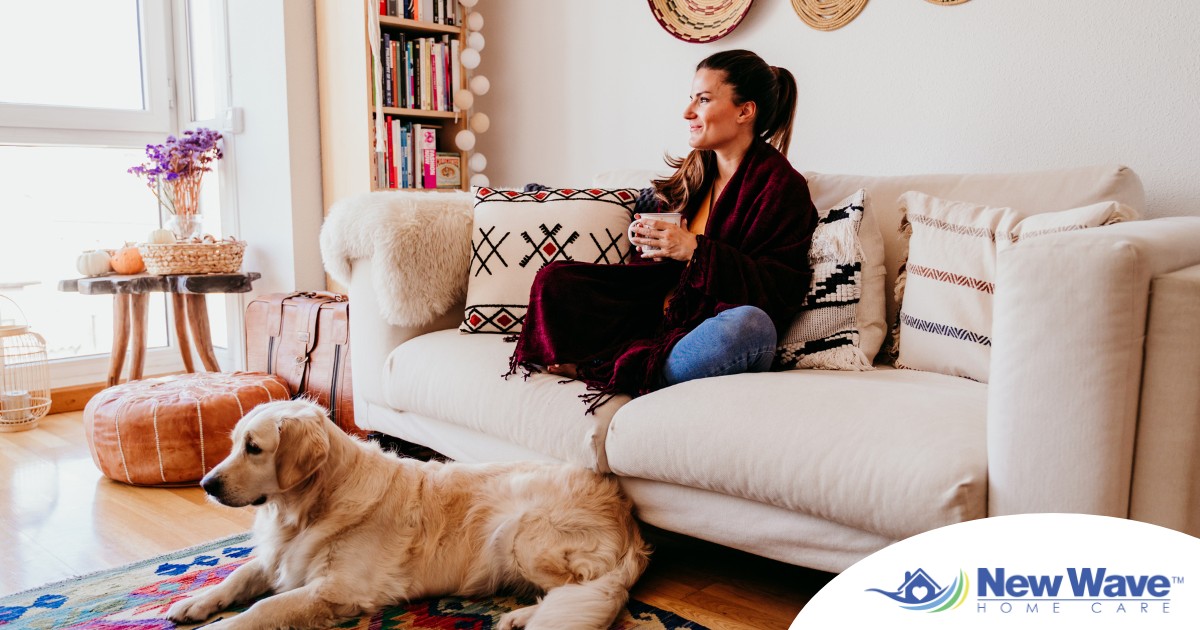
{"points": [[345, 529]]}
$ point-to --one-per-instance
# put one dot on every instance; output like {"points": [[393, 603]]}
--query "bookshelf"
{"points": [[346, 88]]}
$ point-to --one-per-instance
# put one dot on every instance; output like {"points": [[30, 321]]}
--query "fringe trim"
{"points": [[848, 358], [836, 242], [527, 369], [595, 400]]}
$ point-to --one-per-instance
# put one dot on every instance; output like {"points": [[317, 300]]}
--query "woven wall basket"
{"points": [[947, 2], [828, 15]]}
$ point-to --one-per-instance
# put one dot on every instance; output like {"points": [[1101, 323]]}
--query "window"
{"points": [[97, 81]]}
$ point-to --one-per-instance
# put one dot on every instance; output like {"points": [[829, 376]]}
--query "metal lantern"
{"points": [[24, 371]]}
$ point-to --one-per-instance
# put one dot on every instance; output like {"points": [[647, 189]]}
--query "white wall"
{"points": [[273, 62], [908, 87]]}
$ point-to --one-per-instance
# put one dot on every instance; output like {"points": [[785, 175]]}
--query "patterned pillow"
{"points": [[517, 233], [945, 287], [825, 335]]}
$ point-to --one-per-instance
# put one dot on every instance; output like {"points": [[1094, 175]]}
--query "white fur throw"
{"points": [[421, 242]]}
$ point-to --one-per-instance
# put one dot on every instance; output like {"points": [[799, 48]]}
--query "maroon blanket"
{"points": [[609, 319]]}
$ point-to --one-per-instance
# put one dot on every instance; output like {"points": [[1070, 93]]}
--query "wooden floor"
{"points": [[59, 517]]}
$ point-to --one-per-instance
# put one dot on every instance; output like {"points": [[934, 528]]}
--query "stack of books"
{"points": [[420, 73], [412, 160], [436, 11]]}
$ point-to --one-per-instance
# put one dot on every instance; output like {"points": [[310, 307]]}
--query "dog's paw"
{"points": [[516, 619], [193, 609]]}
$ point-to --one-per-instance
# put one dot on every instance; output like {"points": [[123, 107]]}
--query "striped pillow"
{"points": [[945, 288], [825, 335]]}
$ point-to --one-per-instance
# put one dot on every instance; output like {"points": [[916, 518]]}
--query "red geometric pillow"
{"points": [[517, 233]]}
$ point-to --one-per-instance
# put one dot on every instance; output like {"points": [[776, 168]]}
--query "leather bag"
{"points": [[305, 339]]}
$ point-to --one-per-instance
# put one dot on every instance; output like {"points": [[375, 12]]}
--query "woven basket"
{"points": [[223, 257]]}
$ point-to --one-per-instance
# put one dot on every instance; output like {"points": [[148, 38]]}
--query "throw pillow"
{"points": [[826, 334], [517, 233], [945, 287]]}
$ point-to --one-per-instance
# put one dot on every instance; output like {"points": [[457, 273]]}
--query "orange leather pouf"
{"points": [[172, 430]]}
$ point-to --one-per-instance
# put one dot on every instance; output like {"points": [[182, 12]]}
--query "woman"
{"points": [[710, 299]]}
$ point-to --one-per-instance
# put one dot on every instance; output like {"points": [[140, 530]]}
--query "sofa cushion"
{"points": [[892, 452], [516, 233], [1033, 192], [456, 377], [947, 283], [825, 334]]}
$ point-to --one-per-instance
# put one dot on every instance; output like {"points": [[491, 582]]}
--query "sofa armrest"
{"points": [[405, 257], [1166, 463], [372, 337], [1067, 347]]}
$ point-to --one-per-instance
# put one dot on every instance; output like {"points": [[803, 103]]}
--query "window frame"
{"points": [[168, 107]]}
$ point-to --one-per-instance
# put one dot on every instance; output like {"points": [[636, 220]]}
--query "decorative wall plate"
{"points": [[828, 15], [700, 21]]}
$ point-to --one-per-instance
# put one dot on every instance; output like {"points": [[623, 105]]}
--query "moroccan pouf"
{"points": [[172, 430]]}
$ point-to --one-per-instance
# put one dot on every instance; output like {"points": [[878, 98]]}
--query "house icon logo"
{"points": [[921, 592]]}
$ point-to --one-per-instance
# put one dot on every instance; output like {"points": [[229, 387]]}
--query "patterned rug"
{"points": [[136, 597]]}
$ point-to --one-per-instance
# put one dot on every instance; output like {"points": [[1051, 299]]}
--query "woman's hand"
{"points": [[672, 241]]}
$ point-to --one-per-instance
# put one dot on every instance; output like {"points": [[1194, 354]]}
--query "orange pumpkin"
{"points": [[128, 260]]}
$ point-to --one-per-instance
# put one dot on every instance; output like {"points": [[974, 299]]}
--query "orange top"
{"points": [[696, 226]]}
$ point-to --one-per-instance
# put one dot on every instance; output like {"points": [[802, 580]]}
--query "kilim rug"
{"points": [[136, 597]]}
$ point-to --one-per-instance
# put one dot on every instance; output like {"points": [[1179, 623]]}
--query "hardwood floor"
{"points": [[60, 517]]}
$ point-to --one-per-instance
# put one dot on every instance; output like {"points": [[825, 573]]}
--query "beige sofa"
{"points": [[1093, 404]]}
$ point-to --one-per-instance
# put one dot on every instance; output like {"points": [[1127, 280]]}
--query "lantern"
{"points": [[24, 371]]}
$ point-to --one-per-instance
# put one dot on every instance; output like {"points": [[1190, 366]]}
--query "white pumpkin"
{"points": [[93, 263], [161, 237]]}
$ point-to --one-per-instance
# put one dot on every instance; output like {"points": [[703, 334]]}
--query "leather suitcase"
{"points": [[305, 339]]}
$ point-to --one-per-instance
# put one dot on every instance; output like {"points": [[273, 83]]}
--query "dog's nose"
{"points": [[211, 485]]}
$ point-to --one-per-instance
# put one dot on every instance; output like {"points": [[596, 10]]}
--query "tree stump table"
{"points": [[131, 296]]}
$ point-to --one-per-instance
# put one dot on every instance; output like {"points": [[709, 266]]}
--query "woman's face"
{"points": [[714, 121]]}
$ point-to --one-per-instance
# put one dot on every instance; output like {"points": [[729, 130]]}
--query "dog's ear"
{"points": [[303, 448]]}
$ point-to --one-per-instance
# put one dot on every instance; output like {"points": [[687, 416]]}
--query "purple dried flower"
{"points": [[173, 170]]}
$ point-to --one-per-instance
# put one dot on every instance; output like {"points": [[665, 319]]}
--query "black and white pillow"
{"points": [[825, 334], [517, 233]]}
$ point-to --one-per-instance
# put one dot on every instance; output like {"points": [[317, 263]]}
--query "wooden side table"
{"points": [[131, 297]]}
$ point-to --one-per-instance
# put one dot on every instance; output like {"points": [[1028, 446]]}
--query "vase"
{"points": [[185, 227]]}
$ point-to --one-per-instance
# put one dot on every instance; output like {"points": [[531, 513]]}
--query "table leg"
{"points": [[121, 308], [197, 311], [179, 309], [139, 308]]}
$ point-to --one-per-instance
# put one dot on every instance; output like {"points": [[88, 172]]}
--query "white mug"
{"points": [[674, 218]]}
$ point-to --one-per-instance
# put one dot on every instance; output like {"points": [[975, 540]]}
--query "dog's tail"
{"points": [[593, 604]]}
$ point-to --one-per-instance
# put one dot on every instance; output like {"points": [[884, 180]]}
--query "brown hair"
{"points": [[773, 91]]}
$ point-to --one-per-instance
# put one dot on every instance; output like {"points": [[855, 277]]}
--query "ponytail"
{"points": [[779, 131]]}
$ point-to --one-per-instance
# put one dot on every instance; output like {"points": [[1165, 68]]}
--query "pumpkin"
{"points": [[93, 263], [161, 237], [128, 260]]}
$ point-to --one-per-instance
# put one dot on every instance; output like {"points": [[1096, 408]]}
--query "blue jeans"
{"points": [[738, 340]]}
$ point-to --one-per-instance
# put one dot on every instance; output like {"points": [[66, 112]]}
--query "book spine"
{"points": [[395, 152], [455, 78], [428, 148], [401, 65], [391, 178], [385, 53], [408, 9]]}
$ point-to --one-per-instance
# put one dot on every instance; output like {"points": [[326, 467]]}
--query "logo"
{"points": [[918, 591]]}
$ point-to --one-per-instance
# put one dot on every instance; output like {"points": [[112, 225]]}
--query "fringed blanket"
{"points": [[609, 319]]}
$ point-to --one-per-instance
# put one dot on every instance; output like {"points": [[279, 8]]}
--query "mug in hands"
{"points": [[674, 218]]}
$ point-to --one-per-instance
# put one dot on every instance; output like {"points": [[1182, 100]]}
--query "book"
{"points": [[385, 53], [449, 170], [427, 150]]}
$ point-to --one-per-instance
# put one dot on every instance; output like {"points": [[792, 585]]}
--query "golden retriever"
{"points": [[346, 529]]}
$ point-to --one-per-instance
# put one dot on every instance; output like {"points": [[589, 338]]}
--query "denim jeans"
{"points": [[741, 339]]}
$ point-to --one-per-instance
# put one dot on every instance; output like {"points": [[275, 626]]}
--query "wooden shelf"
{"points": [[420, 113], [418, 26]]}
